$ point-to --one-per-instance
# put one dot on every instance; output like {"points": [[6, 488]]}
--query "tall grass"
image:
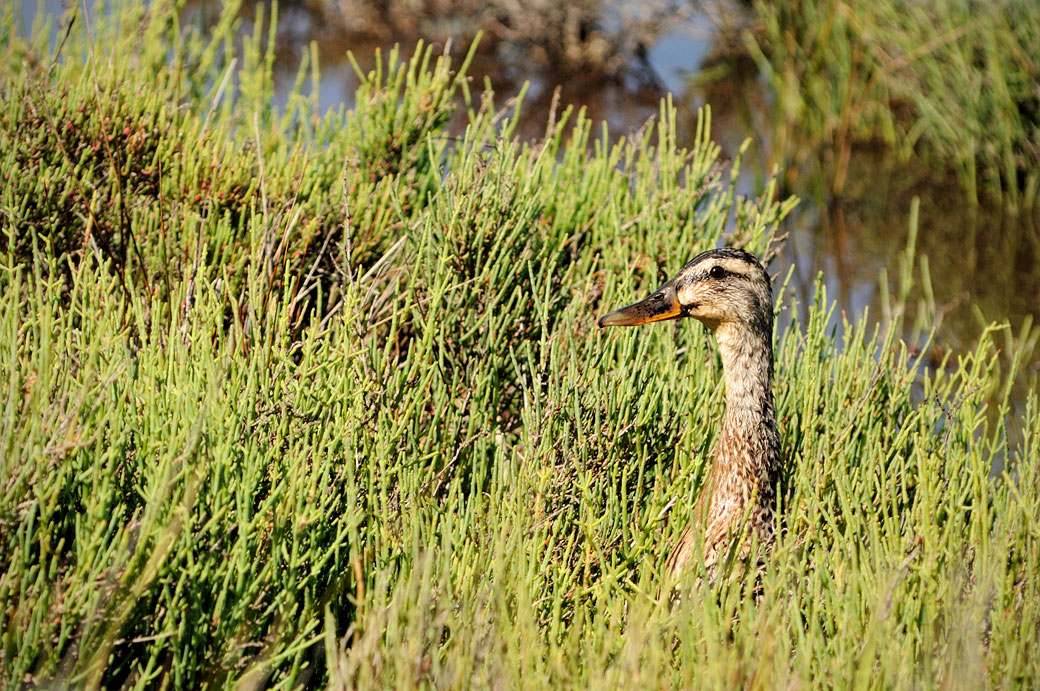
{"points": [[301, 398], [951, 82]]}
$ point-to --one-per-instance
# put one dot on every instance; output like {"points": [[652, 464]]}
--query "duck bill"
{"points": [[660, 306]]}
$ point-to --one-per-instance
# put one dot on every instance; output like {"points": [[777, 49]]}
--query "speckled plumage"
{"points": [[730, 292]]}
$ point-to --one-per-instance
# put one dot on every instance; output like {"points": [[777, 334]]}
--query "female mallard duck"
{"points": [[729, 292]]}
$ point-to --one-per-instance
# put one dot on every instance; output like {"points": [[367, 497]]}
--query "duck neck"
{"points": [[749, 445], [747, 365]]}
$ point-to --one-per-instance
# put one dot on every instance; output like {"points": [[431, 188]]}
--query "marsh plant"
{"points": [[303, 398], [952, 83]]}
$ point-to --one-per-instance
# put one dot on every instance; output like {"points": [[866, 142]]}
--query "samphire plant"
{"points": [[299, 398]]}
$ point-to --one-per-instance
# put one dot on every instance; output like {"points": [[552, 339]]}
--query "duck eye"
{"points": [[717, 272]]}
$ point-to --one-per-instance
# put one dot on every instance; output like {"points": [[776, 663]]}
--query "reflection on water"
{"points": [[978, 257]]}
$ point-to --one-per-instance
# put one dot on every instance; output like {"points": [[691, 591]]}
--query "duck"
{"points": [[729, 291]]}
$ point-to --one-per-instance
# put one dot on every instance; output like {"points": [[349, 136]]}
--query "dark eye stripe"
{"points": [[716, 273]]}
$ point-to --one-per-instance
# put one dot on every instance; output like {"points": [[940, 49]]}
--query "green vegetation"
{"points": [[953, 82], [300, 398]]}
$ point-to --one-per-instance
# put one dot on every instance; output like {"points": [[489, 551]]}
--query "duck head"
{"points": [[721, 287]]}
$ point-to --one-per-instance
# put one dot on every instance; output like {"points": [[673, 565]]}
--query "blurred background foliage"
{"points": [[953, 83]]}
